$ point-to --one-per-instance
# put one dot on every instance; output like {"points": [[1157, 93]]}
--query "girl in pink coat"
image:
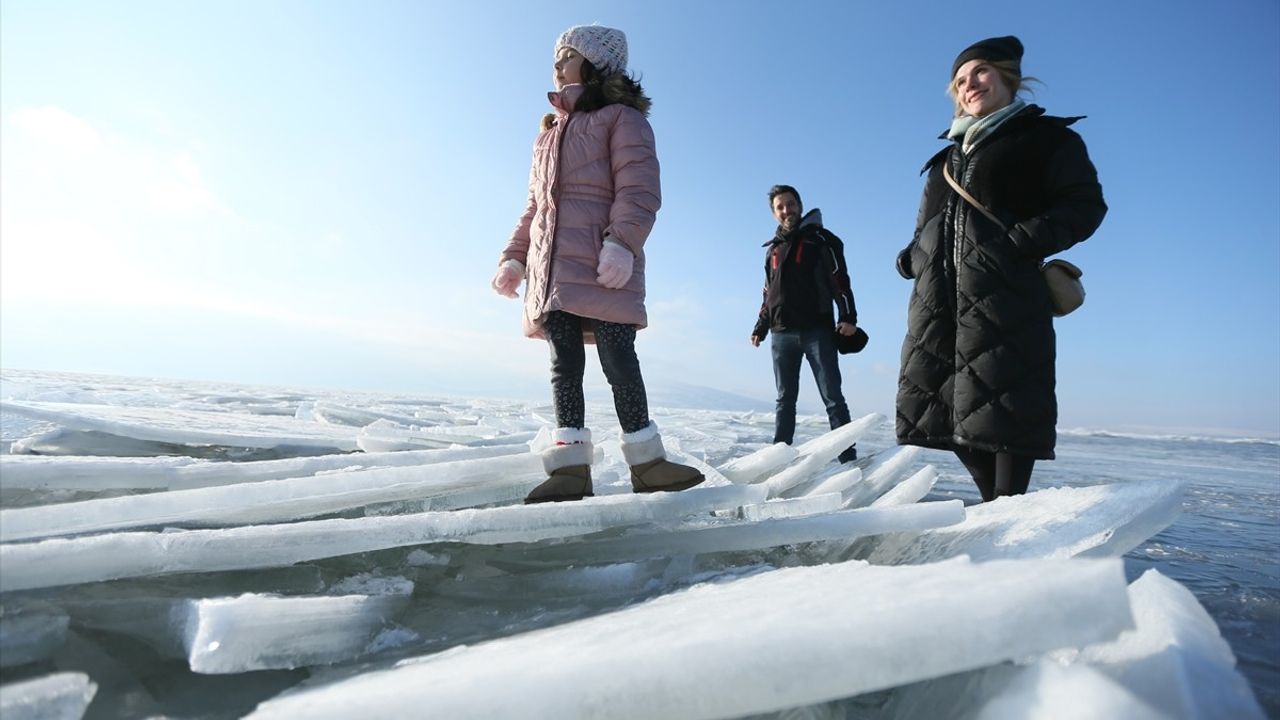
{"points": [[593, 194]]}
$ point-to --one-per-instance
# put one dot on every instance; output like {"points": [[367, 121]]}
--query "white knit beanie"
{"points": [[604, 47]]}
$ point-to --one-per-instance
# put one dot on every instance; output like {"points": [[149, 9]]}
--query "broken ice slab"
{"points": [[911, 490], [759, 464], [1098, 520], [30, 635], [60, 696], [816, 453], [384, 436], [792, 507], [253, 631], [880, 476], [189, 427], [336, 414], [88, 473], [1173, 664], [776, 640], [184, 473], [1175, 659], [835, 483], [726, 536], [1042, 690], [71, 561], [269, 501]]}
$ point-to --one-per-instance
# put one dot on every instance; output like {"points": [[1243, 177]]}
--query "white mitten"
{"points": [[508, 278], [616, 264]]}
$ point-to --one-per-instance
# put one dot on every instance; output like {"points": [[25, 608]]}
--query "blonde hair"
{"points": [[1009, 73]]}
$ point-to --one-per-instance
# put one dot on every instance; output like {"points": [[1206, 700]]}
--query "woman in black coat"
{"points": [[977, 373]]}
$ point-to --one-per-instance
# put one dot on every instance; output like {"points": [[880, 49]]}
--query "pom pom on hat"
{"points": [[991, 49], [604, 47]]}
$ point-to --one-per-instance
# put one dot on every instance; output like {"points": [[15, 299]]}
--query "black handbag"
{"points": [[846, 344]]}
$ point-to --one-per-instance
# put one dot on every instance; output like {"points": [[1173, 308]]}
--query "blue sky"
{"points": [[315, 193]]}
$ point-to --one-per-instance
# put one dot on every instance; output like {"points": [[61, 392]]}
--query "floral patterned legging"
{"points": [[616, 345]]}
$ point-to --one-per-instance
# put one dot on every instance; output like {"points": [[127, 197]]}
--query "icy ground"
{"points": [[193, 550]]}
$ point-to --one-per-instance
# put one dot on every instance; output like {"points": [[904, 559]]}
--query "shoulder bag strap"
{"points": [[946, 173]]}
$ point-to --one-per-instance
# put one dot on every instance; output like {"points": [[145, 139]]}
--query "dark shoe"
{"points": [[662, 475], [567, 483], [849, 455]]}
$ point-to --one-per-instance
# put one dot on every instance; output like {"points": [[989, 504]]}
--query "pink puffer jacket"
{"points": [[594, 174]]}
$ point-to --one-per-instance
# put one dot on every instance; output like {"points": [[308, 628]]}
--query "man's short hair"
{"points": [[777, 190]]}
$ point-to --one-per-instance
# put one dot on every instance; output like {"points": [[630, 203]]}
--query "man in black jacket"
{"points": [[804, 273]]}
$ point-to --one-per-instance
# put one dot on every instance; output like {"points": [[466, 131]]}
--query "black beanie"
{"points": [[991, 49]]}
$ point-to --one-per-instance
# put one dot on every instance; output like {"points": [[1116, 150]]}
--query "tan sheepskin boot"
{"points": [[651, 471], [568, 462]]}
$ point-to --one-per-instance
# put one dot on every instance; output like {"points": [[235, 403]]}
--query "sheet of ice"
{"points": [[67, 561], [816, 453], [1172, 664], [911, 490], [336, 414], [792, 507], [38, 472], [188, 427], [64, 442], [184, 473], [1043, 690], [1099, 520], [728, 536], [255, 631], [264, 502], [837, 483], [817, 633], [30, 635], [881, 475], [1175, 659], [386, 436], [60, 696], [759, 464]]}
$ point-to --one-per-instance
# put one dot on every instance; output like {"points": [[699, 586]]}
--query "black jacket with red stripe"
{"points": [[804, 273]]}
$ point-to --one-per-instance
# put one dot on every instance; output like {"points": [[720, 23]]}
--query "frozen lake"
{"points": [[207, 550]]}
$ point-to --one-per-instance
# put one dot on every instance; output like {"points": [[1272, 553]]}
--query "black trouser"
{"points": [[997, 473], [616, 345]]}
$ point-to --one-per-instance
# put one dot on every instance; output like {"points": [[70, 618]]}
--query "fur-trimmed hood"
{"points": [[616, 89]]}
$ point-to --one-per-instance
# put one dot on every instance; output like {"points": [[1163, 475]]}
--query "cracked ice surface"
{"points": [[725, 589]]}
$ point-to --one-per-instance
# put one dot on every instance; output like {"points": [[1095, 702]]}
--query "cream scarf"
{"points": [[975, 129]]}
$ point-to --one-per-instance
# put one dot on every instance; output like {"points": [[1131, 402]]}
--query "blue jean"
{"points": [[789, 347]]}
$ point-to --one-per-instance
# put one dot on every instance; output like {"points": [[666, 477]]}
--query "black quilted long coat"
{"points": [[978, 359]]}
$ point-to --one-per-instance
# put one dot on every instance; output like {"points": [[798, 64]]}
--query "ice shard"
{"points": [[911, 490], [725, 536], [60, 696], [253, 631], [760, 464], [816, 453], [816, 634], [1098, 520], [67, 561], [188, 427], [263, 502], [1175, 660]]}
